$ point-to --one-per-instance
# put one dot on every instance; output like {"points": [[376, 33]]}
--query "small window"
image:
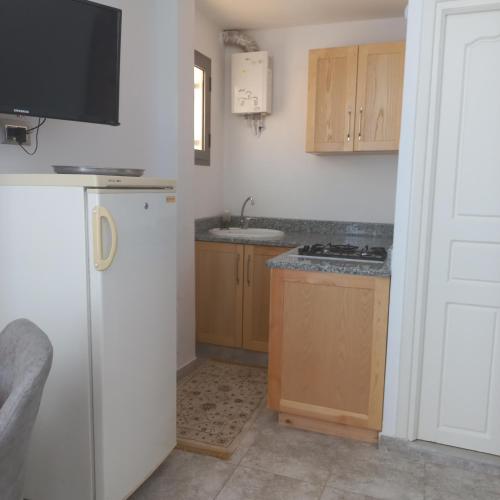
{"points": [[202, 92]]}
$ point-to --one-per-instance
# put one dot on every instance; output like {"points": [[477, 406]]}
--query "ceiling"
{"points": [[255, 14]]}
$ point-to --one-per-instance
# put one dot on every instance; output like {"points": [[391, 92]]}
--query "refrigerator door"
{"points": [[133, 325]]}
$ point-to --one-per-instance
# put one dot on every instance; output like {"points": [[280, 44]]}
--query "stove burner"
{"points": [[352, 252]]}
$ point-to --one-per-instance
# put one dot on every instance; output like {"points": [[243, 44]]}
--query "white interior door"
{"points": [[460, 393], [133, 318]]}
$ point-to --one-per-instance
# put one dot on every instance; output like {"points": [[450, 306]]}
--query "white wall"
{"points": [[186, 204], [209, 181], [285, 180], [396, 393], [155, 133], [129, 145]]}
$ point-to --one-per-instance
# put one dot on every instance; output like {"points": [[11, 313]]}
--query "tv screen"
{"points": [[60, 59]]}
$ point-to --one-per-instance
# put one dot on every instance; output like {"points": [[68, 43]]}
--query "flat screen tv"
{"points": [[60, 59]]}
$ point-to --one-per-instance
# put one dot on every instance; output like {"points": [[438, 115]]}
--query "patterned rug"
{"points": [[216, 404]]}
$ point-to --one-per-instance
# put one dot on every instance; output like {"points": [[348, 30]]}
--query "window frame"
{"points": [[202, 156]]}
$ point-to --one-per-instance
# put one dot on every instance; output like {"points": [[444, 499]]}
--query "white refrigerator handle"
{"points": [[99, 213]]}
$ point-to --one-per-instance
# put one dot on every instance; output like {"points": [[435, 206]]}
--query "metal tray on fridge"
{"points": [[123, 172]]}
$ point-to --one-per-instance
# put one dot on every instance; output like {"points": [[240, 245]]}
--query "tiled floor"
{"points": [[277, 463]]}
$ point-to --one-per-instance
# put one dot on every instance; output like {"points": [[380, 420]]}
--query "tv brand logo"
{"points": [[21, 111]]}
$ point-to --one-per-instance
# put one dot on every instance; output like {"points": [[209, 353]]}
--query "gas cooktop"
{"points": [[343, 252]]}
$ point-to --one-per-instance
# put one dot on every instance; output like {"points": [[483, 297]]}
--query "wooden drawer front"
{"points": [[328, 343], [327, 331]]}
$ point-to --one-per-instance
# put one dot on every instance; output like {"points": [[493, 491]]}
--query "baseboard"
{"points": [[329, 428], [231, 355], [188, 369]]}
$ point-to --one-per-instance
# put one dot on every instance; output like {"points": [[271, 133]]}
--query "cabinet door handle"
{"points": [[349, 127], [238, 269], [249, 260], [360, 120]]}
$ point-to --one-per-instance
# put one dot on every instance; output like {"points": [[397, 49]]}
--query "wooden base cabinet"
{"points": [[256, 296], [232, 294], [219, 293], [327, 351]]}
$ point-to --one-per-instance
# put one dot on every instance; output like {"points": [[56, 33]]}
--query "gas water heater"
{"points": [[252, 84]]}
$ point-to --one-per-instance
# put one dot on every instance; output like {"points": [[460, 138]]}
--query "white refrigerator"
{"points": [[92, 261]]}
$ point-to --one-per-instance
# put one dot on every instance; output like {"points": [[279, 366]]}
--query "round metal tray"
{"points": [[123, 172]]}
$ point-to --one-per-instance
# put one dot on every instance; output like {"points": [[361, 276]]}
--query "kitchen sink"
{"points": [[251, 233]]}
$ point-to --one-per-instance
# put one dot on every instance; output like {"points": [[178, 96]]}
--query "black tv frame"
{"points": [[116, 122]]}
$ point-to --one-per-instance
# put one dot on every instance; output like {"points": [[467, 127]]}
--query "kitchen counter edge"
{"points": [[292, 240]]}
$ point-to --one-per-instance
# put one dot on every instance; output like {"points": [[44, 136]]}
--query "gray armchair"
{"points": [[25, 361]]}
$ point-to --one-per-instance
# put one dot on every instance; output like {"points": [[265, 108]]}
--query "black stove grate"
{"points": [[352, 252]]}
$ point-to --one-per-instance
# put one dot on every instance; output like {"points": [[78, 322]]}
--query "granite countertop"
{"points": [[304, 232], [290, 260]]}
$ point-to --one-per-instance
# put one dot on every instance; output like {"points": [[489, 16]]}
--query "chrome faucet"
{"points": [[245, 220]]}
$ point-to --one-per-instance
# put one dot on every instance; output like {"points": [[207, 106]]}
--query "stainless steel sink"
{"points": [[252, 233]]}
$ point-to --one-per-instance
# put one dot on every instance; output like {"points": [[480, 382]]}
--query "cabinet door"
{"points": [[328, 347], [256, 296], [379, 96], [331, 99], [219, 293]]}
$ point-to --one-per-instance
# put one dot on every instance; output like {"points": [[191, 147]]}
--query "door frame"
{"points": [[414, 208]]}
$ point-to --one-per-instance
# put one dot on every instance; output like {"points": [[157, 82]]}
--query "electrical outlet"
{"points": [[14, 132]]}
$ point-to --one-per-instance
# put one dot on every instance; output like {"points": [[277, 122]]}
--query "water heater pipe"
{"points": [[239, 39]]}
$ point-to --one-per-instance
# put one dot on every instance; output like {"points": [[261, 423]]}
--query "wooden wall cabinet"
{"points": [[355, 98], [232, 294], [327, 351]]}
